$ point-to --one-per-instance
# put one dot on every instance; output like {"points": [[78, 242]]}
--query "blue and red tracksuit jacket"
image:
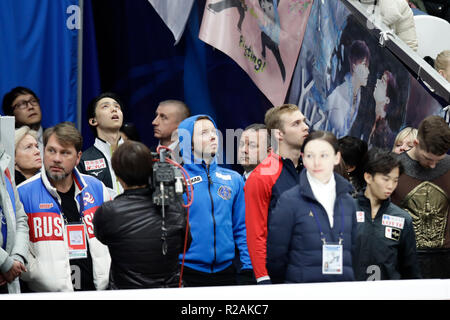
{"points": [[217, 214], [264, 186]]}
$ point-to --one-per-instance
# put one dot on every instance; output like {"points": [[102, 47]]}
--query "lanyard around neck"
{"points": [[78, 199], [322, 235]]}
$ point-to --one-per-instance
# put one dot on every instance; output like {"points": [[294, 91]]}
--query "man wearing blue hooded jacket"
{"points": [[217, 214]]}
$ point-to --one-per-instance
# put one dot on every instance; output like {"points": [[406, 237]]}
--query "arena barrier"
{"points": [[426, 289]]}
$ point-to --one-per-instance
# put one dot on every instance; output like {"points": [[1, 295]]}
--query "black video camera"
{"points": [[167, 181], [168, 187]]}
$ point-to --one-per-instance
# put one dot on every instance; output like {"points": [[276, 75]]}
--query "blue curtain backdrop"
{"points": [[138, 61], [39, 51], [127, 49], [91, 77]]}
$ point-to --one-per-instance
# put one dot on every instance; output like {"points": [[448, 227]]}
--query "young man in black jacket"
{"points": [[105, 118], [131, 226], [386, 243]]}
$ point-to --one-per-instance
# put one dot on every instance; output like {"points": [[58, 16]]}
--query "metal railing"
{"points": [[435, 82]]}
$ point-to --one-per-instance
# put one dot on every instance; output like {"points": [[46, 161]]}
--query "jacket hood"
{"points": [[185, 134]]}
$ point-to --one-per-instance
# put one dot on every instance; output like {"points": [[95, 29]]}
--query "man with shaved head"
{"points": [[168, 116]]}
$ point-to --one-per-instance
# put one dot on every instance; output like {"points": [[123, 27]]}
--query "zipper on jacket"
{"points": [[213, 217]]}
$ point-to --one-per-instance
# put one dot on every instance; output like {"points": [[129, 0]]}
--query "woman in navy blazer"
{"points": [[312, 229]]}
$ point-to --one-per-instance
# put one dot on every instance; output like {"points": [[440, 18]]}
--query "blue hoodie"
{"points": [[217, 214]]}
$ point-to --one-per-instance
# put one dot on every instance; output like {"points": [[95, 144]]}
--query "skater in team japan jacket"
{"points": [[386, 242]]}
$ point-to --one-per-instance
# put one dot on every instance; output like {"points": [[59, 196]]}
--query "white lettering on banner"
{"points": [[315, 115], [45, 226]]}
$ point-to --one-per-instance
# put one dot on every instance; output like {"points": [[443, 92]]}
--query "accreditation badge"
{"points": [[360, 216], [76, 240], [392, 233], [332, 258]]}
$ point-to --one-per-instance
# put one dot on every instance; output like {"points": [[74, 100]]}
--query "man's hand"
{"points": [[2, 279], [15, 271]]}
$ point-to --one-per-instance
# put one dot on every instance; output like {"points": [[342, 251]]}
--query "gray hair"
{"points": [[442, 60], [21, 132]]}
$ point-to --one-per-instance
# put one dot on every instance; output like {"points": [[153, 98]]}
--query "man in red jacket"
{"points": [[275, 174]]}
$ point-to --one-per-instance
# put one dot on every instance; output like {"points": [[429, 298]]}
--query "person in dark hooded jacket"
{"points": [[131, 226], [386, 243], [313, 226]]}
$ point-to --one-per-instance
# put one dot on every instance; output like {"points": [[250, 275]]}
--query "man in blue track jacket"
{"points": [[217, 214]]}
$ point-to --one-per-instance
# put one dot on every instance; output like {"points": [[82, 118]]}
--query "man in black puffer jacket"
{"points": [[130, 226]]}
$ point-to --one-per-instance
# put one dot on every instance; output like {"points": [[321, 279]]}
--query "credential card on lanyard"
{"points": [[332, 259], [76, 241]]}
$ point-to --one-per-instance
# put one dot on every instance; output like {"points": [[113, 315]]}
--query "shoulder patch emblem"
{"points": [[95, 164], [224, 192], [393, 221], [223, 176], [95, 173], [392, 233], [45, 205], [88, 198], [360, 215], [196, 179]]}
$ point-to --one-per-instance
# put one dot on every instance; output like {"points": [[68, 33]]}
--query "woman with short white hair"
{"points": [[28, 160], [442, 64]]}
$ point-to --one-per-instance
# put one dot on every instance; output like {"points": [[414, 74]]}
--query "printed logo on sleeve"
{"points": [[196, 179], [45, 226], [392, 221], [224, 192], [96, 173], [88, 198], [360, 216], [88, 216], [45, 205], [223, 176], [95, 164], [392, 233]]}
